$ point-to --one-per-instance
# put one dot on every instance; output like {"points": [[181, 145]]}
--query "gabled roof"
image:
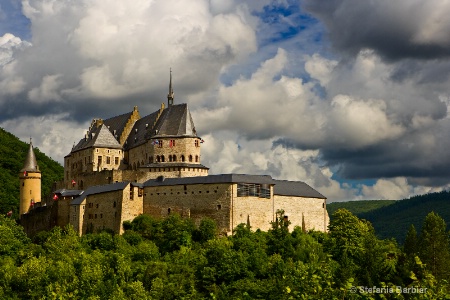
{"points": [[176, 120], [98, 136], [117, 124], [142, 130], [30, 164], [98, 189], [295, 188]]}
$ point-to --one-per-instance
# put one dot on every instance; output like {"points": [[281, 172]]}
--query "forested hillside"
{"points": [[394, 220], [391, 219], [358, 207], [12, 157], [172, 258]]}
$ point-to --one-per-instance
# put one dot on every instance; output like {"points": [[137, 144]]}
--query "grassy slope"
{"points": [[12, 157]]}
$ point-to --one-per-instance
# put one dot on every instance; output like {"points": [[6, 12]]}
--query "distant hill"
{"points": [[12, 158], [392, 219], [358, 207]]}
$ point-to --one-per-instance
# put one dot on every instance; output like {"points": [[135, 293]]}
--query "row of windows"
{"points": [[94, 216], [172, 143], [254, 190], [173, 158]]}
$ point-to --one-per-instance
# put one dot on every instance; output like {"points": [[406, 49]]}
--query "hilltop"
{"points": [[12, 157], [392, 219]]}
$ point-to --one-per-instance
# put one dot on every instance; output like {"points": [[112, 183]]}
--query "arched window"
{"points": [[174, 158], [150, 160], [182, 158], [162, 158], [196, 158], [190, 158], [158, 158], [170, 157]]}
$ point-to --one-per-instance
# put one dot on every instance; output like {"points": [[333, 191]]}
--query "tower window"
{"points": [[182, 158], [190, 158], [196, 158], [196, 143]]}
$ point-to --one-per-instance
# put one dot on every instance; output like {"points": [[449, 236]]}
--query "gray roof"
{"points": [[30, 164], [117, 123], [142, 130], [98, 136], [98, 189], [222, 178], [176, 120], [68, 193], [295, 188]]}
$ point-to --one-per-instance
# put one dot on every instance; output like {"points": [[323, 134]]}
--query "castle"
{"points": [[129, 165]]}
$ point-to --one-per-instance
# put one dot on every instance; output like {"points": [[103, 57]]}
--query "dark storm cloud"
{"points": [[394, 29]]}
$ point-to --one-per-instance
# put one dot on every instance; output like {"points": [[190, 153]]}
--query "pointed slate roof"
{"points": [[98, 136], [176, 120], [30, 164]]}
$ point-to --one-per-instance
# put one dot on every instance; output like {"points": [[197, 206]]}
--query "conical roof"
{"points": [[30, 164]]}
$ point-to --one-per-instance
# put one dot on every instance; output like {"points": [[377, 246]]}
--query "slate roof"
{"points": [[98, 189], [222, 178], [295, 188], [281, 187], [117, 123], [68, 193], [30, 164], [176, 120], [142, 130], [99, 136]]}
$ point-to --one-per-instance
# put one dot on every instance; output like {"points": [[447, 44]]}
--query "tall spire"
{"points": [[30, 164], [170, 95]]}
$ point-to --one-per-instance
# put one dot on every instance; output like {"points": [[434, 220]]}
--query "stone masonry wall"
{"points": [[193, 201], [131, 205], [313, 210], [258, 211], [103, 211]]}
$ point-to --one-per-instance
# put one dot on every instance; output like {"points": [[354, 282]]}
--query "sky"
{"points": [[348, 96]]}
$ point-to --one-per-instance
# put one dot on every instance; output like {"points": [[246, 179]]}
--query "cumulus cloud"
{"points": [[395, 29], [264, 90], [114, 51]]}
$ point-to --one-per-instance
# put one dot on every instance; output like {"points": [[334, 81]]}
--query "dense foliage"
{"points": [[12, 157], [174, 259]]}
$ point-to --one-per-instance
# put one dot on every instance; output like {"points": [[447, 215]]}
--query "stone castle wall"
{"points": [[313, 210], [191, 201]]}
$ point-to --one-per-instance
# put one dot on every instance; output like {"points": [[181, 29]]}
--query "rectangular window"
{"points": [[140, 192], [116, 160], [108, 160], [99, 160], [160, 143], [196, 143]]}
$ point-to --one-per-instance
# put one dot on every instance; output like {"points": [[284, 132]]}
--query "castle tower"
{"points": [[170, 95], [30, 182]]}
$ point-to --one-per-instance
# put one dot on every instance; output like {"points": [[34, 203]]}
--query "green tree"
{"points": [[434, 249]]}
